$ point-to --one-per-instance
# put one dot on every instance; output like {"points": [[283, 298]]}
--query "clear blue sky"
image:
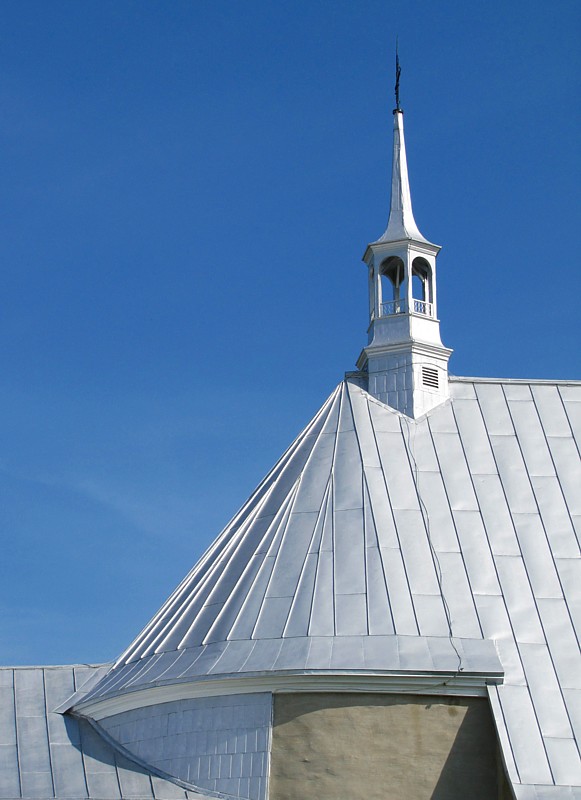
{"points": [[187, 189]]}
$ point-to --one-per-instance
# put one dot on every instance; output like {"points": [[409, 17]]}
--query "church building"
{"points": [[394, 614]]}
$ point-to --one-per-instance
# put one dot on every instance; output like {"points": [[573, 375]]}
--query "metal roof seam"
{"points": [[442, 473], [503, 734], [503, 583], [200, 591], [564, 404], [282, 538], [363, 485], [318, 584], [321, 510], [268, 538], [294, 602], [18, 755], [380, 551], [146, 665], [269, 534], [322, 417], [505, 606], [333, 506], [485, 526], [369, 399], [540, 518], [264, 573], [426, 517], [462, 554], [557, 572]]}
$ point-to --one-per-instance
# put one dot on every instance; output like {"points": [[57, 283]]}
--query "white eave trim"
{"points": [[449, 684]]}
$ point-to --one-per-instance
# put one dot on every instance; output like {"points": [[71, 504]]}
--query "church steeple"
{"points": [[405, 360]]}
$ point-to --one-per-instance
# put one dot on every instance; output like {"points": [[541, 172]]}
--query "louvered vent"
{"points": [[430, 377]]}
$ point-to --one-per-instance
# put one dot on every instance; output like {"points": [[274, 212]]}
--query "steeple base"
{"points": [[411, 378]]}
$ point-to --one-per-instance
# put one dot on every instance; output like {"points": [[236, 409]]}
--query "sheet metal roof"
{"points": [[376, 534], [44, 755]]}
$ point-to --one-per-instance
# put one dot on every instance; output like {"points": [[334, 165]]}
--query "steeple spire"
{"points": [[405, 362], [401, 223]]}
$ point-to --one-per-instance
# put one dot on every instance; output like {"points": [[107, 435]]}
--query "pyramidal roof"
{"points": [[330, 554], [315, 551], [442, 550]]}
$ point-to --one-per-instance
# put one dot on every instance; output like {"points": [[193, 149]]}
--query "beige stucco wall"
{"points": [[382, 747]]}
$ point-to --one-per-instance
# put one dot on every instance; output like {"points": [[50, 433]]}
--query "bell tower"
{"points": [[405, 360]]}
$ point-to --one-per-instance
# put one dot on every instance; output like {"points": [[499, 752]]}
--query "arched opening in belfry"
{"points": [[392, 275], [422, 286]]}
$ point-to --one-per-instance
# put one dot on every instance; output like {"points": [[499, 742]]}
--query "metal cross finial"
{"points": [[397, 76]]}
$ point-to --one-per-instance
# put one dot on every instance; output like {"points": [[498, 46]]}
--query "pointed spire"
{"points": [[401, 223]]}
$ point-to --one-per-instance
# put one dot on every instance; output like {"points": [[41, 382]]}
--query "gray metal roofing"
{"points": [[46, 755], [372, 525]]}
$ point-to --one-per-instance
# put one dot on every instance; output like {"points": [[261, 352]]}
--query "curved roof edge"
{"points": [[381, 656]]}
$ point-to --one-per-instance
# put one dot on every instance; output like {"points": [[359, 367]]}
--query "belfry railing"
{"points": [[400, 307], [423, 307], [394, 307]]}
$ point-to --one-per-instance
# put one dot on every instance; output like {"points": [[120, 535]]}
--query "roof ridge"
{"points": [[526, 381]]}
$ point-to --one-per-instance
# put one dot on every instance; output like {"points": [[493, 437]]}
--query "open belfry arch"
{"points": [[392, 615]]}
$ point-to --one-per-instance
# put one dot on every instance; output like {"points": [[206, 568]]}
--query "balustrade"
{"points": [[393, 307], [400, 307], [423, 307]]}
